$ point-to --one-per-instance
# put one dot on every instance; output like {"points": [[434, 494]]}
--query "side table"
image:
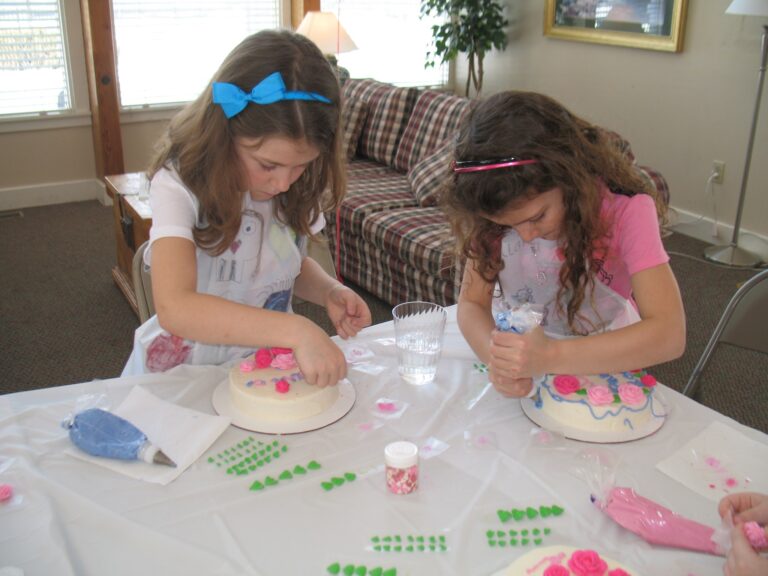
{"points": [[133, 219]]}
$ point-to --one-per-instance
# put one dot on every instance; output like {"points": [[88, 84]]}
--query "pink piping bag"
{"points": [[656, 524]]}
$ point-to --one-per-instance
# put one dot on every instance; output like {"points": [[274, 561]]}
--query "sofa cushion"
{"points": [[354, 114], [430, 175], [435, 118], [388, 113], [421, 237]]}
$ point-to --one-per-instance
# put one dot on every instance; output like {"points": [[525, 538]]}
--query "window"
{"points": [[167, 50], [392, 41], [34, 76]]}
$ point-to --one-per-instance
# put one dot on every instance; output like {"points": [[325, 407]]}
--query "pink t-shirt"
{"points": [[634, 242]]}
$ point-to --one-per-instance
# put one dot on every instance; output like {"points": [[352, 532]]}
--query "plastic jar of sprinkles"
{"points": [[402, 467]]}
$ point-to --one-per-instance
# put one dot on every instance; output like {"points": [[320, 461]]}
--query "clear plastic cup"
{"points": [[419, 329]]}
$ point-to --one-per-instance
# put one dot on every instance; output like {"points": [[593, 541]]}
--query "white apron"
{"points": [[258, 269], [531, 276]]}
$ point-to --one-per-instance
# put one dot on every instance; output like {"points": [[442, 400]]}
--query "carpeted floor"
{"points": [[63, 320]]}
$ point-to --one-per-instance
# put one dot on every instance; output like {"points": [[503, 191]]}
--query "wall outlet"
{"points": [[718, 167]]}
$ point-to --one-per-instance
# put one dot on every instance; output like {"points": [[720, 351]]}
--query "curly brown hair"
{"points": [[199, 142], [572, 154]]}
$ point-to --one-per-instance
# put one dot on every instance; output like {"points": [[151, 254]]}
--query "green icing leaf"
{"points": [[286, 475], [313, 465], [350, 476], [556, 510], [524, 542], [490, 533], [269, 481], [390, 572], [375, 572], [503, 515], [361, 571], [409, 548], [334, 568], [547, 531], [545, 511], [327, 486], [537, 541], [513, 542], [299, 470], [518, 514], [531, 512], [257, 486], [349, 570]]}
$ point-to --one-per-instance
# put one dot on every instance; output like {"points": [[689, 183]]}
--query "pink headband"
{"points": [[463, 166]]}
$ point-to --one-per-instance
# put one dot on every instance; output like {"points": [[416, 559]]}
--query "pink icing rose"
{"points": [[600, 395], [282, 386], [618, 572], [277, 351], [263, 358], [556, 570], [631, 394], [587, 563], [6, 492], [648, 380], [284, 361], [247, 366], [566, 384]]}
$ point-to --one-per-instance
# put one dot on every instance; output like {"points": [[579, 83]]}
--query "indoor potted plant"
{"points": [[471, 27]]}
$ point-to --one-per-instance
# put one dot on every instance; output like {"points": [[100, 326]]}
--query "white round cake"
{"points": [[564, 561], [269, 386], [612, 403]]}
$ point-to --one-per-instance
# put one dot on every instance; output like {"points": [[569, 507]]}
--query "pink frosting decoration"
{"points": [[6, 492], [387, 406], [600, 395], [648, 381], [556, 570], [282, 386], [566, 384], [631, 394], [587, 563], [284, 361], [263, 358], [756, 535], [618, 572], [247, 366], [276, 351]]}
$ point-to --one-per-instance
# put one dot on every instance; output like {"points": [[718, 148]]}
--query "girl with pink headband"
{"points": [[551, 215], [238, 186]]}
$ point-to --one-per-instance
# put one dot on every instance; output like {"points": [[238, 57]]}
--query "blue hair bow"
{"points": [[270, 90]]}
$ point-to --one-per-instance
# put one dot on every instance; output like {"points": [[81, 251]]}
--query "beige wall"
{"points": [[680, 111]]}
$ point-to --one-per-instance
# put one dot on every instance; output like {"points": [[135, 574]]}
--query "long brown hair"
{"points": [[572, 154], [199, 142]]}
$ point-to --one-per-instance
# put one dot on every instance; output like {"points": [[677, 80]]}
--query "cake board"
{"points": [[599, 437], [223, 405]]}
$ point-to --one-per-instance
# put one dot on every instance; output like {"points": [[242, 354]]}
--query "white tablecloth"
{"points": [[480, 454]]}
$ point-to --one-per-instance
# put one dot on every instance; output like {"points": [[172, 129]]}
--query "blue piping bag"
{"points": [[106, 435]]}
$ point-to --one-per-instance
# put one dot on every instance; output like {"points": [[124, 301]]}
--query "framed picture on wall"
{"points": [[649, 24]]}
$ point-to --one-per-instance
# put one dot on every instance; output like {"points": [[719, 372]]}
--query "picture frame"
{"points": [[647, 24]]}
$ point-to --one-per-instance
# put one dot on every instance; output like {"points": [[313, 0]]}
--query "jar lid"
{"points": [[401, 454]]}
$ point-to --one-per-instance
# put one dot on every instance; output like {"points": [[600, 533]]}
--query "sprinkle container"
{"points": [[402, 467]]}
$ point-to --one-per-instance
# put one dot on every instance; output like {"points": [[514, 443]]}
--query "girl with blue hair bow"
{"points": [[238, 186]]}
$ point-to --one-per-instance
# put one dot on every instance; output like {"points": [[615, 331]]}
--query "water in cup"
{"points": [[419, 328]]}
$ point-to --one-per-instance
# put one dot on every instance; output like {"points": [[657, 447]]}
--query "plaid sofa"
{"points": [[393, 240]]}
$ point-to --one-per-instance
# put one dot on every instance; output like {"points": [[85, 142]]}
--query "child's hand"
{"points": [[511, 387], [746, 507], [742, 559], [517, 356], [320, 360], [348, 312]]}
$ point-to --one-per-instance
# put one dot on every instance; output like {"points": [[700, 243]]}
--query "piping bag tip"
{"points": [[161, 458]]}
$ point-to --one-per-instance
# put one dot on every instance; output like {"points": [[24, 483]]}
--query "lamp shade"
{"points": [[748, 7], [324, 29]]}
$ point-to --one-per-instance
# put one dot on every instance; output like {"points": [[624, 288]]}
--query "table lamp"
{"points": [[325, 30], [732, 254]]}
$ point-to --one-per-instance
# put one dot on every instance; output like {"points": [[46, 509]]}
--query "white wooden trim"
{"points": [[53, 193]]}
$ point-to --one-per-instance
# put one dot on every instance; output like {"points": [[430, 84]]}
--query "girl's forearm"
{"points": [[213, 320], [313, 283], [476, 325]]}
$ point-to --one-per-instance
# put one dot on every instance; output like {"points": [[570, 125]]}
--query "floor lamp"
{"points": [[732, 254]]}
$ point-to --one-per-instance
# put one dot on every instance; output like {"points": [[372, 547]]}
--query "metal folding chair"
{"points": [[742, 324], [142, 285]]}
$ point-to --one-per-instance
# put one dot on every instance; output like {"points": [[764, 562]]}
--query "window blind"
{"points": [[33, 63], [392, 41], [167, 50]]}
